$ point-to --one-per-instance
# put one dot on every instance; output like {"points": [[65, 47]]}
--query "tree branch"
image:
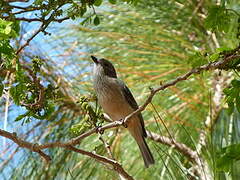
{"points": [[42, 28], [34, 19], [36, 148], [24, 144], [182, 148], [117, 167], [212, 65]]}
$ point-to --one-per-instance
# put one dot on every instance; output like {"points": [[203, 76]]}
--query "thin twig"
{"points": [[24, 144], [117, 167], [34, 19], [42, 28], [212, 65], [107, 147], [180, 147]]}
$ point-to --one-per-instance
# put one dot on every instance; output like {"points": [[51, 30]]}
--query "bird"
{"points": [[117, 102]]}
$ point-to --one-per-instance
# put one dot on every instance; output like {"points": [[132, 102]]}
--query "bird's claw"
{"points": [[123, 123], [99, 130]]}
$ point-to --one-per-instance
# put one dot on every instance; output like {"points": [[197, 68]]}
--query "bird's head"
{"points": [[103, 67]]}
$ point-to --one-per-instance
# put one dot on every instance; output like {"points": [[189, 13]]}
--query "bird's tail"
{"points": [[146, 153]]}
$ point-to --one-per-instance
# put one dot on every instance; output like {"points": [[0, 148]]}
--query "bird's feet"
{"points": [[123, 123], [99, 130]]}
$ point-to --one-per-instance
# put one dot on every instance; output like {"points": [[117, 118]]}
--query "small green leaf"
{"points": [[230, 108], [214, 57], [235, 83], [228, 155], [218, 19], [197, 59], [223, 49], [96, 21], [14, 95], [97, 2], [112, 1], [1, 88], [227, 91], [238, 103], [20, 117], [224, 164], [86, 20]]}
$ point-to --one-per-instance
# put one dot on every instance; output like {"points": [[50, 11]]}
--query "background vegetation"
{"points": [[47, 96]]}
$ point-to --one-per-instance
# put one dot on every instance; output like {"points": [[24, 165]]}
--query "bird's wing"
{"points": [[130, 99]]}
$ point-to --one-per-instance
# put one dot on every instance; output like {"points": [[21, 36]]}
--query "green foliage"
{"points": [[224, 145], [97, 2], [113, 1], [218, 19], [90, 119], [233, 96], [225, 19], [1, 88], [198, 59], [29, 93], [96, 21], [228, 155], [201, 58], [8, 30]]}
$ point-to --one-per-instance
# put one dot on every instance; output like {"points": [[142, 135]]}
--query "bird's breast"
{"points": [[112, 100]]}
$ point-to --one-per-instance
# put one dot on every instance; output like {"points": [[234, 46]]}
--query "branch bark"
{"points": [[186, 151], [38, 148], [212, 65], [116, 166]]}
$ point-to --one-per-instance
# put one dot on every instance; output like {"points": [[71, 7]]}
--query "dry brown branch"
{"points": [[117, 167], [36, 148], [107, 147], [24, 144], [180, 147]]}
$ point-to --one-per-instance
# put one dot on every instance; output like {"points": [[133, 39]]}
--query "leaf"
{"points": [[20, 117], [96, 21], [235, 83], [97, 2], [223, 49], [218, 19], [197, 59], [112, 1], [227, 91], [86, 20], [8, 29], [230, 107], [223, 164], [238, 103], [214, 57], [1, 88], [14, 95], [228, 155]]}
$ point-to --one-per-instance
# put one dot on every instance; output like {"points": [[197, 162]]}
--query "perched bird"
{"points": [[117, 102]]}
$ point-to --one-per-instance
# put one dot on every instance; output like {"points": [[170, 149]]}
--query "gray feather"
{"points": [[132, 102]]}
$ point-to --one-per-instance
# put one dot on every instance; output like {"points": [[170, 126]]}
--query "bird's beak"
{"points": [[95, 60]]}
